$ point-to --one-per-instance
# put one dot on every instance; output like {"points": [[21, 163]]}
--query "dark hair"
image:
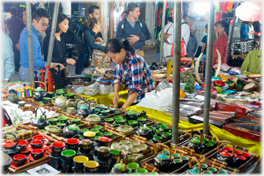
{"points": [[39, 13], [124, 12], [90, 23], [91, 9], [61, 18], [223, 24], [170, 19], [185, 16], [13, 10], [131, 6], [206, 26], [115, 46]]}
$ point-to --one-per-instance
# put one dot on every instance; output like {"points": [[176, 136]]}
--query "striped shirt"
{"points": [[136, 74]]}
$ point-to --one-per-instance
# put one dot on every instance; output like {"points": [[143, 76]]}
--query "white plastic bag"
{"points": [[91, 90], [105, 89], [158, 100]]}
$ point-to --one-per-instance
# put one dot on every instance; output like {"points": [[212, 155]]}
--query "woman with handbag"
{"points": [[130, 67], [90, 37], [63, 35]]}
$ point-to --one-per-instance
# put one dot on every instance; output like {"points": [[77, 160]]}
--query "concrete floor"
{"points": [[150, 56]]}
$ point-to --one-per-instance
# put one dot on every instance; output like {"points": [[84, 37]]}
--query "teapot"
{"points": [[196, 170], [13, 98], [70, 130], [195, 143], [60, 101], [38, 93], [144, 131], [133, 115], [120, 167], [40, 121], [83, 110], [162, 161], [79, 103], [11, 148]]}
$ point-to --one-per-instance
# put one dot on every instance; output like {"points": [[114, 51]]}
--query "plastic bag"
{"points": [[78, 89], [158, 100], [91, 90], [105, 89]]}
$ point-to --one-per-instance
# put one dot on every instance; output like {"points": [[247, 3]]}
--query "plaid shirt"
{"points": [[136, 74]]}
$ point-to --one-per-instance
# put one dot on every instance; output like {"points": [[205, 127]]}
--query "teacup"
{"points": [[37, 153], [70, 96], [63, 119], [71, 110], [78, 161], [19, 159], [90, 166], [21, 104], [46, 100]]}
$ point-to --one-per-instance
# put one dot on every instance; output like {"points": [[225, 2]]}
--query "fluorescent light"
{"points": [[201, 8]]}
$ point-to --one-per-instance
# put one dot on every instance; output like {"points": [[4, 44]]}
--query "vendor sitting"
{"points": [[252, 63], [130, 67]]}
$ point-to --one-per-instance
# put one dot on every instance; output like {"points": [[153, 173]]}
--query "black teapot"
{"points": [[38, 93], [144, 131], [161, 160], [133, 115], [70, 130], [40, 121], [120, 167], [196, 143], [11, 148], [83, 110]]}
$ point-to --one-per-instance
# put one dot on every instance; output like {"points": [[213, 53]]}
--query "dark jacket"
{"points": [[15, 26], [128, 29], [87, 50]]}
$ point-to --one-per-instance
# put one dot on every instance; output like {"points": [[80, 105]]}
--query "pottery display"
{"points": [[70, 130], [38, 94], [83, 110], [53, 130], [60, 101], [93, 119], [40, 121]]}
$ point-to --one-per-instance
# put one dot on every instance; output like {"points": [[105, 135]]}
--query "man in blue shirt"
{"points": [[40, 21], [132, 29]]}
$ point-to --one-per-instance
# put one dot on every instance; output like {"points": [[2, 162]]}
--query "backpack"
{"points": [[191, 45], [99, 58], [123, 26]]}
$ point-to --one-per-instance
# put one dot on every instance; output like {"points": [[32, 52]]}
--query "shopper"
{"points": [[134, 29], [185, 31], [244, 30], [253, 62], [63, 35], [198, 27], [130, 67], [221, 42], [204, 40], [168, 30], [7, 63], [93, 32], [15, 25], [94, 12], [123, 15], [251, 30], [257, 27], [40, 21]]}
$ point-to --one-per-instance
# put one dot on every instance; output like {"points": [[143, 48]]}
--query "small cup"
{"points": [[212, 169], [108, 134], [53, 121], [114, 155], [135, 143], [135, 150], [76, 121], [89, 135], [109, 120], [103, 153], [19, 159], [142, 171], [70, 96], [133, 166], [184, 159], [63, 119], [72, 143], [46, 100], [23, 144], [90, 166], [118, 117], [67, 156], [56, 148], [21, 104], [37, 153], [36, 144], [78, 161], [207, 172], [120, 121], [142, 120]]}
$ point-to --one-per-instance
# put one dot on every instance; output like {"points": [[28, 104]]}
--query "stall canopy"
{"points": [[250, 11]]}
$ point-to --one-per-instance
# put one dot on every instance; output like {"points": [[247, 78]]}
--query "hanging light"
{"points": [[201, 8]]}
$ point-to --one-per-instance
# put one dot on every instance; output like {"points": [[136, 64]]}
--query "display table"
{"points": [[108, 99], [219, 134]]}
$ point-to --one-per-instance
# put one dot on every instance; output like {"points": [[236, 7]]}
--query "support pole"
{"points": [[162, 31], [30, 47], [52, 34], [208, 71], [176, 72], [232, 31]]}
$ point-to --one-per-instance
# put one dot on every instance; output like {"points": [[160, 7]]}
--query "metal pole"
{"points": [[162, 31], [232, 31], [176, 72], [208, 71], [52, 35], [30, 47]]}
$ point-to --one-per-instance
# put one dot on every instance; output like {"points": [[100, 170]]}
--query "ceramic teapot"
{"points": [[38, 93], [226, 156], [133, 115], [195, 143], [79, 103], [70, 130], [83, 110], [60, 101], [13, 98], [144, 131], [120, 167], [9, 147], [162, 161], [40, 121]]}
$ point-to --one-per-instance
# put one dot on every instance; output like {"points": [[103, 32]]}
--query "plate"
{"points": [[233, 73]]}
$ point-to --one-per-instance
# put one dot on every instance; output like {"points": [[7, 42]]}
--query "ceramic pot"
{"points": [[13, 98], [60, 101], [37, 153], [56, 148], [91, 167], [38, 94], [67, 156], [85, 145], [19, 159], [104, 141], [72, 143], [196, 143], [103, 153], [40, 121], [162, 161], [70, 130], [79, 161]]}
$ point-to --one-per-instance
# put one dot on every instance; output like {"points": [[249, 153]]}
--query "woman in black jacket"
{"points": [[92, 32], [63, 35]]}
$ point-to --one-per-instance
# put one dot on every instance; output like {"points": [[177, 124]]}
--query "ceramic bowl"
{"points": [[36, 144], [63, 119], [19, 159], [133, 166], [135, 143], [78, 161], [142, 147], [67, 155], [37, 153], [90, 166], [125, 129], [93, 119]]}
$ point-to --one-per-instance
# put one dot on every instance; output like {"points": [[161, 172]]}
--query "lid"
{"points": [[83, 107], [163, 156], [39, 89], [72, 141], [104, 139], [103, 149], [74, 127], [89, 134], [131, 112], [8, 144], [63, 118], [226, 154], [194, 140]]}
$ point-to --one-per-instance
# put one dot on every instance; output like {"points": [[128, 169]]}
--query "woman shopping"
{"points": [[221, 42], [130, 67], [90, 35], [63, 35]]}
